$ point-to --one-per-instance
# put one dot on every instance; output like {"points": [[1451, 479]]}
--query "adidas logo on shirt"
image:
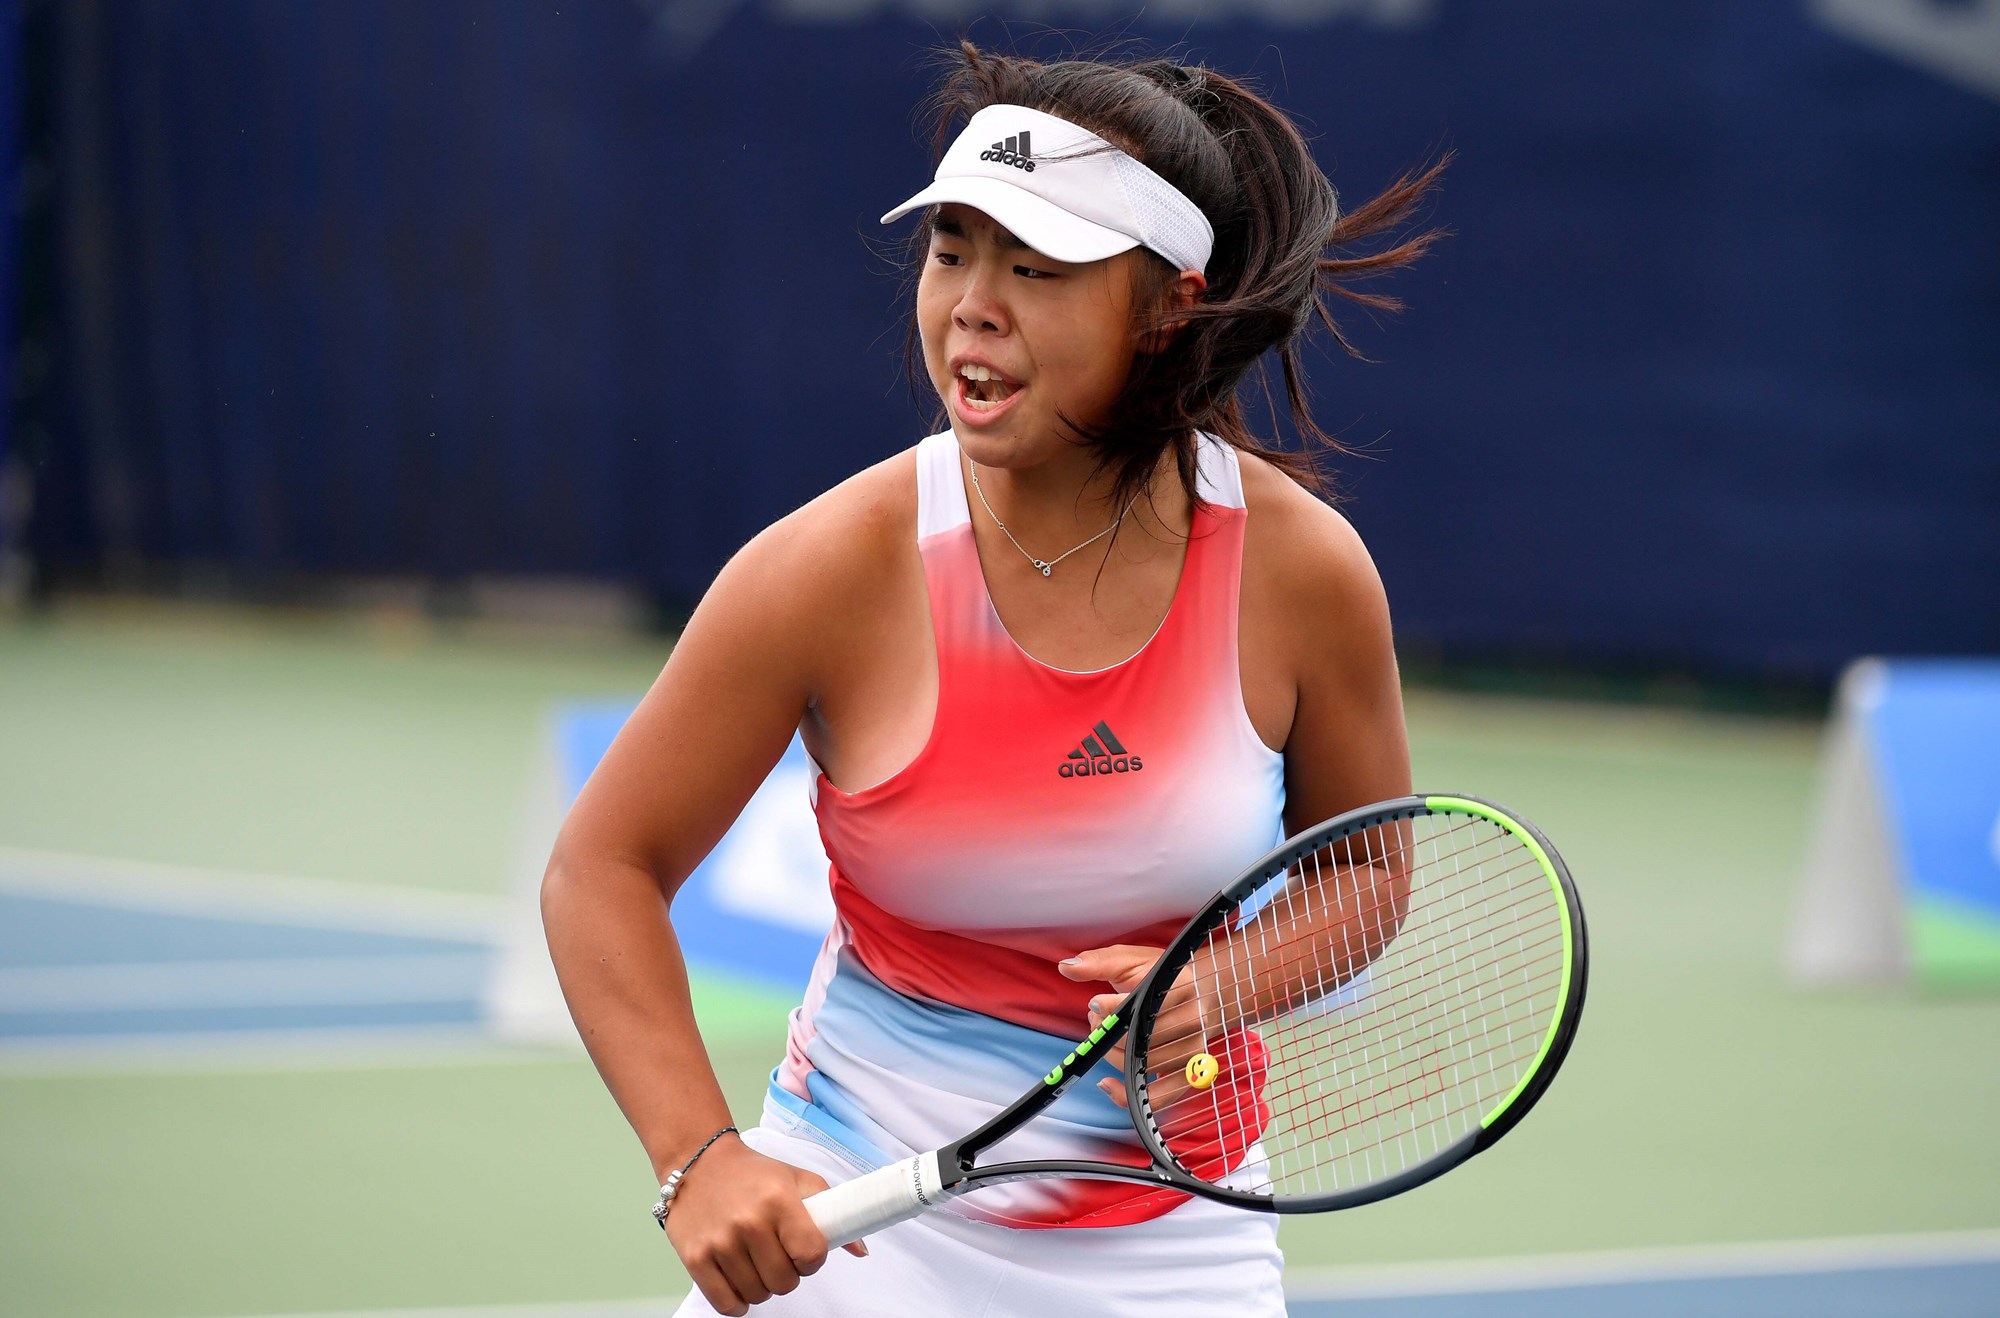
{"points": [[1100, 753], [1013, 151]]}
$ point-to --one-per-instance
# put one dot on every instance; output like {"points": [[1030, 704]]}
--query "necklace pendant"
{"points": [[1045, 567]]}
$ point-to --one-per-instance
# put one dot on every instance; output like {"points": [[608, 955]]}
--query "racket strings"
{"points": [[1286, 969], [1408, 1081], [1365, 1009], [1416, 1077], [1404, 1011], [1501, 1054], [1487, 1016]]}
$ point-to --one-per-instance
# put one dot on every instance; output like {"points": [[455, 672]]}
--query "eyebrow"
{"points": [[1002, 238]]}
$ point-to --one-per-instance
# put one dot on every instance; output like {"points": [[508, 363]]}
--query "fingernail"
{"points": [[1068, 961]]}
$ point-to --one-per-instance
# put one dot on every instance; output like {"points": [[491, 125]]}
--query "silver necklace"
{"points": [[1048, 566]]}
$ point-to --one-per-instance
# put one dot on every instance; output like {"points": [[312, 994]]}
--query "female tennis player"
{"points": [[1064, 667]]}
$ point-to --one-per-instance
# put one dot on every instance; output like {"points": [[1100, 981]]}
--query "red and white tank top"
{"points": [[1049, 812]]}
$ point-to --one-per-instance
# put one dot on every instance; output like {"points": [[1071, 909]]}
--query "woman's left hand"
{"points": [[1184, 1024], [1122, 966]]}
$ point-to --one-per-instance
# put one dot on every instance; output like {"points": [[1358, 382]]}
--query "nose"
{"points": [[980, 306]]}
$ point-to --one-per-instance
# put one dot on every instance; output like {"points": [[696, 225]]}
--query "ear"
{"points": [[1184, 291]]}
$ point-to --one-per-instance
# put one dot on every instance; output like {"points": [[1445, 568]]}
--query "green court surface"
{"points": [[1705, 1102]]}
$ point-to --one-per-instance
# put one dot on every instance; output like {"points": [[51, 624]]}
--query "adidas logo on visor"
{"points": [[1014, 151], [1076, 197], [1100, 753]]}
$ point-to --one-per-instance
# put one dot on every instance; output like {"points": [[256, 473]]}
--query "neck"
{"points": [[1053, 504]]}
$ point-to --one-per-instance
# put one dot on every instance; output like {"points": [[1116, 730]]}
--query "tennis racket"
{"points": [[1372, 1003]]}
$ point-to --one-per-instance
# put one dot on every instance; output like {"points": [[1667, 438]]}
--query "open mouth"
{"points": [[987, 393], [982, 390]]}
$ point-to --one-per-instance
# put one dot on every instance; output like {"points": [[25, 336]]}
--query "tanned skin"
{"points": [[821, 626]]}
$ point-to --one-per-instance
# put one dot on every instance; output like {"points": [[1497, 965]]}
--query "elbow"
{"points": [[556, 882], [605, 876], [564, 876]]}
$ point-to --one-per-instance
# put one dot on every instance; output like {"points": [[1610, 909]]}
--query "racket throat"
{"points": [[959, 1157]]}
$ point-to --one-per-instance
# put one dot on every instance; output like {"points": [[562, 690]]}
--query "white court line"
{"points": [[249, 1052], [261, 898], [247, 982], [1664, 1263]]}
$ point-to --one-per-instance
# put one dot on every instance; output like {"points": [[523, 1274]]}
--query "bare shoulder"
{"points": [[841, 540], [1301, 555], [800, 585]]}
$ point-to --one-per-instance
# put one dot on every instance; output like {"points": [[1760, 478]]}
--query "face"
{"points": [[1055, 338]]}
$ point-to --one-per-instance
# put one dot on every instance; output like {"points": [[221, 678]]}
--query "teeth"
{"points": [[978, 404], [976, 378]]}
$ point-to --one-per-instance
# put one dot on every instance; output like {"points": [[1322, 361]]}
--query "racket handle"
{"points": [[884, 1197]]}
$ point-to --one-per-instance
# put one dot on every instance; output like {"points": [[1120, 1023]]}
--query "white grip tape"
{"points": [[884, 1197]]}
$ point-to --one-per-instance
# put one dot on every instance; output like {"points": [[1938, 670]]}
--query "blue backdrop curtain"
{"points": [[1706, 377]]}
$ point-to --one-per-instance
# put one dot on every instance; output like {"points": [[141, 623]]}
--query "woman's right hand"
{"points": [[740, 1225]]}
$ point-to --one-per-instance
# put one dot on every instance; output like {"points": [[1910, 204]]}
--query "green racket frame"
{"points": [[1143, 1004]]}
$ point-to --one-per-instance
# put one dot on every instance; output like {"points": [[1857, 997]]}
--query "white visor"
{"points": [[1065, 191]]}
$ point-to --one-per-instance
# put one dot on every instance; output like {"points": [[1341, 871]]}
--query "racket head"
{"points": [[1382, 996]]}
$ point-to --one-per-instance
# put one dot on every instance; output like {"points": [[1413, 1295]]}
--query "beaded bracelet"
{"points": [[673, 1185]]}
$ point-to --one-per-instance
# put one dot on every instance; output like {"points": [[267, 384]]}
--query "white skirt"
{"points": [[1203, 1258]]}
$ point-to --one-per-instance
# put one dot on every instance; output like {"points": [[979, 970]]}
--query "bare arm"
{"points": [[1347, 746], [714, 723]]}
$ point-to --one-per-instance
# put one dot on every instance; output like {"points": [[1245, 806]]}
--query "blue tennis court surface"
{"points": [[122, 956], [1957, 1290]]}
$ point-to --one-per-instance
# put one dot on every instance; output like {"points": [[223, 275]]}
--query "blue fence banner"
{"points": [[1903, 871], [760, 905], [1935, 728]]}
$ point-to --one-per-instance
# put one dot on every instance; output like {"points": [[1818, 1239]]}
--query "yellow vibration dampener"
{"points": [[1201, 1069]]}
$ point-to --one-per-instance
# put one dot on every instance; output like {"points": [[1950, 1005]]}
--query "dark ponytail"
{"points": [[1275, 216]]}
